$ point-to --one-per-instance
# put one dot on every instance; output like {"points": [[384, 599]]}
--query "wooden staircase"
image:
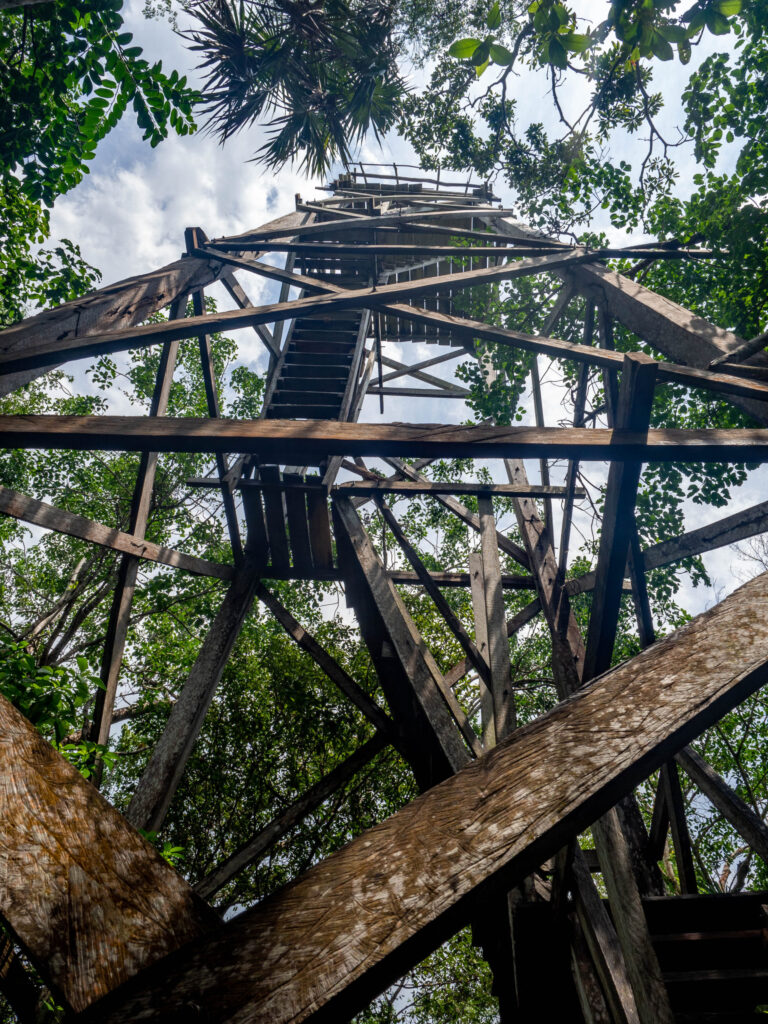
{"points": [[712, 949]]}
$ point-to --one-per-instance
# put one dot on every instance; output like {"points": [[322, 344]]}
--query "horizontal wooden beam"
{"points": [[443, 392], [387, 486], [439, 251], [353, 223], [358, 920], [416, 488], [30, 510], [283, 440]]}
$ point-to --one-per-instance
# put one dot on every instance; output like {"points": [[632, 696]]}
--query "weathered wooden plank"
{"points": [[30, 510], [516, 623], [346, 220], [509, 581], [678, 826], [640, 958], [122, 599], [163, 773], [453, 622], [45, 350], [298, 526], [88, 898], [289, 818], [276, 520], [411, 681], [603, 944], [356, 921], [690, 376], [365, 249], [568, 646], [319, 531], [316, 439], [481, 640], [443, 392]]}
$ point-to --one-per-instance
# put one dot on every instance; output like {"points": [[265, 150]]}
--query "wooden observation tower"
{"points": [[115, 932]]}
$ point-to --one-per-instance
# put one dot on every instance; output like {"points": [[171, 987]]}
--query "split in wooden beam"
{"points": [[500, 684], [30, 510], [358, 920]]}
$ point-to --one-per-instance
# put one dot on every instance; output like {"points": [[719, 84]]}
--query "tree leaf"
{"points": [[481, 54], [661, 48], [556, 53], [501, 55], [577, 43], [729, 7], [462, 49], [494, 16]]}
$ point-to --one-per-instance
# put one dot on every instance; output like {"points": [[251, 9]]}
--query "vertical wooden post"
{"points": [[477, 589], [635, 399], [681, 839], [120, 611], [498, 642]]}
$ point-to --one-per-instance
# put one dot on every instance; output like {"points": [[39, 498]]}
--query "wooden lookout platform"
{"points": [[492, 841]]}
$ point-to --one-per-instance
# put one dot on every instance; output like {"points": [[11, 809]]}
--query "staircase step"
{"points": [[303, 412], [314, 372], [320, 385]]}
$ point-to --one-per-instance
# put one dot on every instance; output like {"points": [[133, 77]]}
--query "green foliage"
{"points": [[67, 75], [321, 75]]}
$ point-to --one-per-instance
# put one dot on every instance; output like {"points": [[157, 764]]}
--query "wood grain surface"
{"points": [[88, 898], [324, 945], [317, 439]]}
